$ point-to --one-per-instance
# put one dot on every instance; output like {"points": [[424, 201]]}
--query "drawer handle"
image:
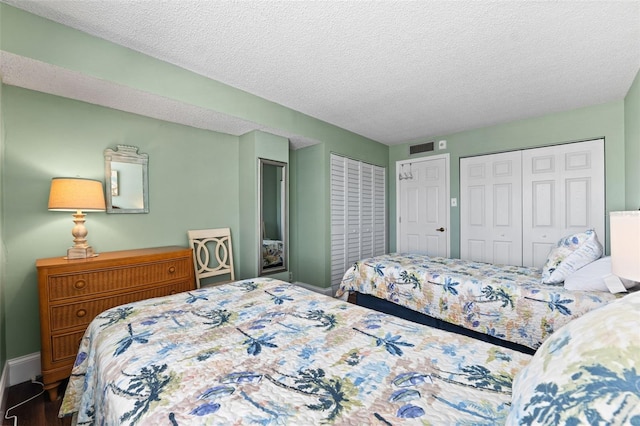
{"points": [[80, 284], [172, 269], [172, 292], [81, 313]]}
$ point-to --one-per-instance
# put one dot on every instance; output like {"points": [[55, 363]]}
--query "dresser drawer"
{"points": [[81, 313], [99, 281], [65, 346]]}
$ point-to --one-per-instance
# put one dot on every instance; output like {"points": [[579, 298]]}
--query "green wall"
{"points": [[311, 250], [30, 36], [198, 179], [253, 146], [632, 144], [582, 124], [307, 255], [193, 184], [3, 348]]}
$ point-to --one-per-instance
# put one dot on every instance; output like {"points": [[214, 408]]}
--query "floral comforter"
{"points": [[266, 352], [507, 302]]}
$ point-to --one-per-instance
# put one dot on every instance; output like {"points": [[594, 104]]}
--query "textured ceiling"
{"points": [[393, 71]]}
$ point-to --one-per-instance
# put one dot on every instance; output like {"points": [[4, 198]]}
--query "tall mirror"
{"points": [[126, 180], [273, 216]]}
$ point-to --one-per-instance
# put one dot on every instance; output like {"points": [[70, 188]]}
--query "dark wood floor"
{"points": [[38, 412]]}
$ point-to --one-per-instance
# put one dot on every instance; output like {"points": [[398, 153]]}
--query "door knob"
{"points": [[440, 229]]}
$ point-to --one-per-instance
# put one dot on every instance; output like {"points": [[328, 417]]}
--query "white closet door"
{"points": [[366, 211], [379, 212], [491, 208], [338, 218], [563, 188], [358, 226], [354, 188]]}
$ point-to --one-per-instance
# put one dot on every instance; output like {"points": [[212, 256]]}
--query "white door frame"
{"points": [[447, 193]]}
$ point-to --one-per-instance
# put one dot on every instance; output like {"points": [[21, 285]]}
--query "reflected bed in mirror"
{"points": [[127, 180], [273, 217]]}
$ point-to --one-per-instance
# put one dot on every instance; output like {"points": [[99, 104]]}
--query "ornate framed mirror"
{"points": [[126, 180], [273, 217]]}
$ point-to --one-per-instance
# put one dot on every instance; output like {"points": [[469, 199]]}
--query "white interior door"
{"points": [[422, 188], [563, 190], [491, 208]]}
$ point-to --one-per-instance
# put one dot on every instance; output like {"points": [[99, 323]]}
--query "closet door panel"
{"points": [[543, 200], [476, 216], [563, 194], [502, 251], [491, 208], [338, 219], [366, 211], [379, 212], [475, 250], [353, 211], [503, 242], [578, 194]]}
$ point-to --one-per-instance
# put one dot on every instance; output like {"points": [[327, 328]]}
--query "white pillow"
{"points": [[570, 254], [591, 277]]}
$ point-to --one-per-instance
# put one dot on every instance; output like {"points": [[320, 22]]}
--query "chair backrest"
{"points": [[212, 253]]}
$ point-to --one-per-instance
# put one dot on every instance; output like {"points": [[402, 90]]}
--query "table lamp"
{"points": [[77, 194], [625, 244]]}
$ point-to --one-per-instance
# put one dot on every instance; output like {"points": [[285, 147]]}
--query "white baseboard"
{"points": [[22, 369], [3, 387], [327, 291]]}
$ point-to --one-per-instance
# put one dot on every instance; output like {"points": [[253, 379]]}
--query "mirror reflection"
{"points": [[273, 217], [126, 177]]}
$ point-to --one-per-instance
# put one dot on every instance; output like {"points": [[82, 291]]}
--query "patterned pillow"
{"points": [[570, 254], [587, 372]]}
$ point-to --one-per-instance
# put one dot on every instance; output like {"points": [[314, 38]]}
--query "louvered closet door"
{"points": [[379, 212], [563, 190], [491, 208], [358, 228], [338, 219], [366, 211], [353, 212]]}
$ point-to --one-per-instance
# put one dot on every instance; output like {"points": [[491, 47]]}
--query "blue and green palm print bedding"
{"points": [[507, 302], [266, 352]]}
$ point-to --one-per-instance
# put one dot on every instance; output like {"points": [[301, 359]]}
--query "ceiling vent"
{"points": [[423, 147]]}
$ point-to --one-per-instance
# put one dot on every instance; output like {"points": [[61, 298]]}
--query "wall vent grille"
{"points": [[423, 147]]}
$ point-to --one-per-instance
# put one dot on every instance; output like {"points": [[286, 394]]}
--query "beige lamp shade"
{"points": [[625, 244], [69, 194]]}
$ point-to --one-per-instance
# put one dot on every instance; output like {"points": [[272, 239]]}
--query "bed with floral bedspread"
{"points": [[263, 351], [507, 302]]}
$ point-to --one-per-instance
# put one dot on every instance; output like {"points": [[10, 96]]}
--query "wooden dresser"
{"points": [[73, 292]]}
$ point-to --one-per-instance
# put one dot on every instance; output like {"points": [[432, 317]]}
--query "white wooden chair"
{"points": [[212, 254]]}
